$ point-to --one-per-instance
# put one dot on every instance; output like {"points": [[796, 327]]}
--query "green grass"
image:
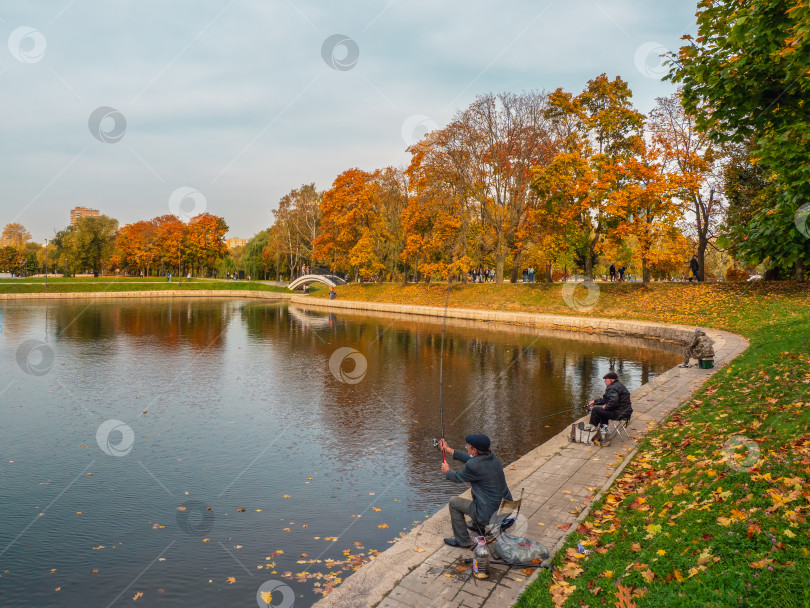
{"points": [[689, 522], [715, 523]]}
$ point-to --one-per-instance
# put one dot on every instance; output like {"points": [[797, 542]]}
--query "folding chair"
{"points": [[507, 514], [619, 426]]}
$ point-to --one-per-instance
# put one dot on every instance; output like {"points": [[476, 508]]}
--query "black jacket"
{"points": [[616, 399], [485, 475]]}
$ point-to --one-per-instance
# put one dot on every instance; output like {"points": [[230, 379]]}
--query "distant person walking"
{"points": [[621, 273], [612, 272], [332, 293], [695, 268], [169, 277]]}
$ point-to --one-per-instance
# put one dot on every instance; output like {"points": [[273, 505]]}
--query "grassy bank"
{"points": [[91, 285], [712, 511]]}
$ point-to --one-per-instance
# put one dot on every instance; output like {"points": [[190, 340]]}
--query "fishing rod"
{"points": [[555, 414], [441, 368]]}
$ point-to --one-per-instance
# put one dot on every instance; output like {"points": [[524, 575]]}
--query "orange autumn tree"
{"points": [[696, 162], [134, 248], [356, 224], [435, 223], [204, 242], [601, 130], [168, 241], [644, 207], [493, 145]]}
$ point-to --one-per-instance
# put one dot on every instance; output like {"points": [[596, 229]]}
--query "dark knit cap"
{"points": [[479, 442], [610, 376]]}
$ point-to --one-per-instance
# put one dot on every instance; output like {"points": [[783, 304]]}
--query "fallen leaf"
{"points": [[231, 580], [137, 595]]}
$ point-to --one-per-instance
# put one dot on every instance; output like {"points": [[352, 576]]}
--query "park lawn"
{"points": [[712, 510], [111, 285]]}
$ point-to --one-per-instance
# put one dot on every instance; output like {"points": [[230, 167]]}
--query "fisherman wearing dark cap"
{"points": [[614, 404], [483, 471]]}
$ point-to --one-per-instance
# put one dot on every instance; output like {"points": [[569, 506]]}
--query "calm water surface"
{"points": [[243, 458]]}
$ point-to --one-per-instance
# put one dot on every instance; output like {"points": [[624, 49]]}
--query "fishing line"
{"points": [[550, 415], [441, 362]]}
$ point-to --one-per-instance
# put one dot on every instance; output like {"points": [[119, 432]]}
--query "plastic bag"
{"points": [[519, 550]]}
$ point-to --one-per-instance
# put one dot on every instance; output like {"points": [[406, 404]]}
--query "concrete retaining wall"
{"points": [[191, 293], [612, 327]]}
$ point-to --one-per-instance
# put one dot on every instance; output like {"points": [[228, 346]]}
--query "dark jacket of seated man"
{"points": [[615, 403], [485, 475]]}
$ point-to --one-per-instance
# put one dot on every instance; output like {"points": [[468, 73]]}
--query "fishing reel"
{"points": [[437, 444]]}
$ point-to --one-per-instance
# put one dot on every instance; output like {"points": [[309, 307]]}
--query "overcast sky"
{"points": [[139, 109]]}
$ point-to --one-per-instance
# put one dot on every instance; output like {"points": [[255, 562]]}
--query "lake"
{"points": [[186, 452]]}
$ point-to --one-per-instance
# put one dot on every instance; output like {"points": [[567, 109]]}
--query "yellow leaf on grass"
{"points": [[678, 576], [653, 529], [661, 552], [607, 574], [648, 575], [789, 534], [723, 521], [635, 547]]}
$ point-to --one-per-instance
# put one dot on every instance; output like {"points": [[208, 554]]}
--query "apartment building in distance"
{"points": [[80, 212], [233, 243]]}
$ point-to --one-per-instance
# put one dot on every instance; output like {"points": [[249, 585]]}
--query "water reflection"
{"points": [[233, 403]]}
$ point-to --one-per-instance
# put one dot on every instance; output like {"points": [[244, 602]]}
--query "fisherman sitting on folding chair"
{"points": [[613, 405], [483, 471]]}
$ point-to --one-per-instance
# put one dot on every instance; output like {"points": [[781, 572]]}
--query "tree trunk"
{"points": [[590, 256], [550, 273], [500, 260], [701, 253], [798, 266], [645, 272], [515, 266]]}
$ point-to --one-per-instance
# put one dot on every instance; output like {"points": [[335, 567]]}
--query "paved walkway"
{"points": [[560, 480]]}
